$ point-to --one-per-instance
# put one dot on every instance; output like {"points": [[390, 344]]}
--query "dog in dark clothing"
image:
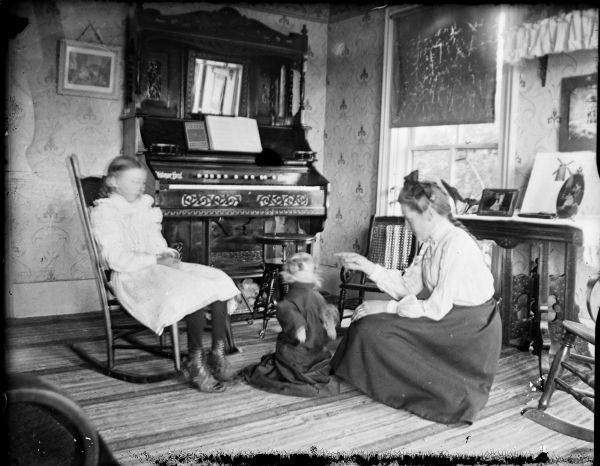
{"points": [[300, 364]]}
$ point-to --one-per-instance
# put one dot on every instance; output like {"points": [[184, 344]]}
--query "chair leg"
{"points": [[176, 353], [260, 301], [539, 415], [229, 342], [270, 306], [341, 303], [556, 369]]}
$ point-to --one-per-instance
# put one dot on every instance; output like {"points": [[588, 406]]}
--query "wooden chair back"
{"points": [[87, 190], [391, 244]]}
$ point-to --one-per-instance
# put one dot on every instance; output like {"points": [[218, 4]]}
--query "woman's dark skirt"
{"points": [[441, 371]]}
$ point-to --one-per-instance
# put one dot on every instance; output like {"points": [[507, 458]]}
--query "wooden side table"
{"points": [[508, 232]]}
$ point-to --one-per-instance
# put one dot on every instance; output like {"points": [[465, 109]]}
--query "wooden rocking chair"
{"points": [[579, 365], [118, 335]]}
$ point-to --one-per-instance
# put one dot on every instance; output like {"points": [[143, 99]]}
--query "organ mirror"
{"points": [[214, 87]]}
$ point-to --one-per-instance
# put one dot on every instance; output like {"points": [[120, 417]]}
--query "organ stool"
{"points": [[271, 287]]}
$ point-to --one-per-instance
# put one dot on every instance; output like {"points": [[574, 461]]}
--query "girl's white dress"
{"points": [[130, 238]]}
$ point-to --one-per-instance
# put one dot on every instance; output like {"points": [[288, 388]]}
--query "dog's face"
{"points": [[300, 268], [301, 261]]}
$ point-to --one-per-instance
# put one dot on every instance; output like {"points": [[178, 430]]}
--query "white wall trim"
{"points": [[387, 166]]}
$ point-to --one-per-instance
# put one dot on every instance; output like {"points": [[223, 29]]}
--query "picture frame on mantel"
{"points": [[88, 70], [498, 202], [578, 113]]}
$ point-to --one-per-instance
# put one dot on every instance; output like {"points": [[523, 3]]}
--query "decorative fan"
{"points": [[455, 195]]}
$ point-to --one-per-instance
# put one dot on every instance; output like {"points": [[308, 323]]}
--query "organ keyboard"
{"points": [[191, 188]]}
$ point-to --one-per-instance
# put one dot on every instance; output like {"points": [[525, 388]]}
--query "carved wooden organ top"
{"points": [[182, 68]]}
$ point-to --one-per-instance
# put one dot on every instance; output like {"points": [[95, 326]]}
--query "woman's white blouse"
{"points": [[450, 269]]}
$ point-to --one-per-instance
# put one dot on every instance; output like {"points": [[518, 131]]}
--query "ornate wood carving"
{"points": [[225, 26]]}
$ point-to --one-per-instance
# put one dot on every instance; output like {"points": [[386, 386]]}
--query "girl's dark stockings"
{"points": [[196, 322]]}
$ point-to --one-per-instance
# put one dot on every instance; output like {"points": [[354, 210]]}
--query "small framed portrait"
{"points": [[578, 113], [498, 202], [88, 70]]}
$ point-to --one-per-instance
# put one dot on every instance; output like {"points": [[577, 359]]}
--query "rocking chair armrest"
{"points": [[580, 330], [363, 287]]}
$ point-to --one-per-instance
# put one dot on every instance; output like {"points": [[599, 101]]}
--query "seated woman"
{"points": [[300, 364], [151, 282], [433, 349]]}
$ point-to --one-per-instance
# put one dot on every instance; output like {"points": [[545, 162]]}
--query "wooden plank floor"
{"points": [[141, 423]]}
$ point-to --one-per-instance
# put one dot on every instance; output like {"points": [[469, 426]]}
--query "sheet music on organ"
{"points": [[233, 134]]}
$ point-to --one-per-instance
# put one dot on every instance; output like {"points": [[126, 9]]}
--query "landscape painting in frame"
{"points": [[88, 70], [578, 113]]}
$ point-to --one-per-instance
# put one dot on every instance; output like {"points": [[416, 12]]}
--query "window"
{"points": [[467, 156]]}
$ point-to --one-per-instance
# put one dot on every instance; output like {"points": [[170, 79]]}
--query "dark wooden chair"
{"points": [[392, 245], [567, 372], [47, 427]]}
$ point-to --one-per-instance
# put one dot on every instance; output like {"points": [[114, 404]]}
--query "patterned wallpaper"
{"points": [[537, 124], [538, 116], [538, 119], [354, 74], [45, 239]]}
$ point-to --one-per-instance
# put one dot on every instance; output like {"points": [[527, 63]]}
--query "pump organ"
{"points": [[214, 201]]}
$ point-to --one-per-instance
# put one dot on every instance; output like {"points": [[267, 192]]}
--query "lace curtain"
{"points": [[576, 30]]}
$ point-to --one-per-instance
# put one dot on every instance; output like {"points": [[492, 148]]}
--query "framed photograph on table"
{"points": [[578, 113], [88, 70], [498, 202]]}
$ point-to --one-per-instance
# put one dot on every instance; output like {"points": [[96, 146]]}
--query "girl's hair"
{"points": [[118, 165], [419, 195]]}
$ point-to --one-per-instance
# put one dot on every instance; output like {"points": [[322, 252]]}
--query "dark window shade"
{"points": [[444, 66]]}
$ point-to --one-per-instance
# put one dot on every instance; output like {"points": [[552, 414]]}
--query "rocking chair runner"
{"points": [[576, 364], [391, 245], [119, 335]]}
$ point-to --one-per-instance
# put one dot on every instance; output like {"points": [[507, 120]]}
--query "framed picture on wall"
{"points": [[498, 202], [578, 113], [88, 70]]}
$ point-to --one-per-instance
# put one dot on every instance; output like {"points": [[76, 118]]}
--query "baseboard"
{"points": [[52, 298]]}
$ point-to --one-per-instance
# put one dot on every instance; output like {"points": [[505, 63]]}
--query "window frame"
{"points": [[394, 161]]}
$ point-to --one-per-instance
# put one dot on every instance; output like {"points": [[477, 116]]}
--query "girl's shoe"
{"points": [[218, 363], [199, 376]]}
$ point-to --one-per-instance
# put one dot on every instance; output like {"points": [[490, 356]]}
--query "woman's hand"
{"points": [[368, 308], [354, 261]]}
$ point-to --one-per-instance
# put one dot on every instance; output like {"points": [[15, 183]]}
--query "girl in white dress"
{"points": [[151, 281]]}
